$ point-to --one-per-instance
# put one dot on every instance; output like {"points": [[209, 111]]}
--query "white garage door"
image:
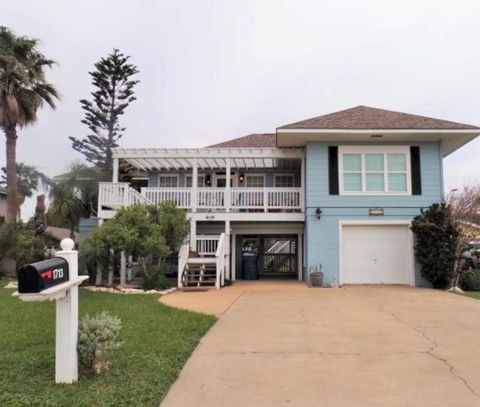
{"points": [[375, 254]]}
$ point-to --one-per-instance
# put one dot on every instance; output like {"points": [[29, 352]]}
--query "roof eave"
{"points": [[452, 139]]}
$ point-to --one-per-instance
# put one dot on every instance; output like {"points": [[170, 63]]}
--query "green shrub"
{"points": [[155, 280], [436, 239], [97, 335], [470, 280]]}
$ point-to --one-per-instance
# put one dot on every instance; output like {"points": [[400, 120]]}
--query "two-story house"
{"points": [[338, 190]]}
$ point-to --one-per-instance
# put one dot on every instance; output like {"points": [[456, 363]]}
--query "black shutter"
{"points": [[333, 170], [416, 173]]}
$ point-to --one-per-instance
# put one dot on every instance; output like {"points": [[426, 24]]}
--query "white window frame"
{"points": [[375, 150], [167, 175], [251, 174], [198, 176], [289, 174]]}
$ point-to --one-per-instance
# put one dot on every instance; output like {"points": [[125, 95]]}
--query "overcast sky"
{"points": [[213, 70]]}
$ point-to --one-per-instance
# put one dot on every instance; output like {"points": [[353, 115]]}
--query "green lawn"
{"points": [[157, 342], [473, 294]]}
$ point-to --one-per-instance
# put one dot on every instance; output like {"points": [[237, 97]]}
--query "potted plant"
{"points": [[316, 275]]}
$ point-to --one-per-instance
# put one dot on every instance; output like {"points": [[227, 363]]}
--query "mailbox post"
{"points": [[57, 279]]}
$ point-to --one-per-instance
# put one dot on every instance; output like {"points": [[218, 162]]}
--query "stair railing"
{"points": [[182, 262], [222, 256]]}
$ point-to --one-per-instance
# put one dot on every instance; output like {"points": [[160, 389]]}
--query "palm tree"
{"points": [[29, 179], [74, 196], [23, 90]]}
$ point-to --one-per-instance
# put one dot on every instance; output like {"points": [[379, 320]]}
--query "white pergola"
{"points": [[180, 159]]}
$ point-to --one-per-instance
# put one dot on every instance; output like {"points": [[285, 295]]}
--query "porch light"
{"points": [[318, 212], [241, 177], [208, 180]]}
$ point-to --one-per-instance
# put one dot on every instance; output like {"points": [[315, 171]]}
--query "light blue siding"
{"points": [[86, 227], [322, 236]]}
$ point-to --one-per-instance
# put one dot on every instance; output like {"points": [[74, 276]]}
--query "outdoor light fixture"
{"points": [[318, 212], [241, 177], [208, 180]]}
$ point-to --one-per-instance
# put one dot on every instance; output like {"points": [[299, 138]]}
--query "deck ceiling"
{"points": [[211, 158]]}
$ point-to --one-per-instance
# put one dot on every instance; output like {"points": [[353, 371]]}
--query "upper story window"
{"points": [[255, 181], [283, 180], [200, 181], [379, 170], [168, 181]]}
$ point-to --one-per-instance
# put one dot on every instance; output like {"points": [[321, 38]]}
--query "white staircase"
{"points": [[202, 273]]}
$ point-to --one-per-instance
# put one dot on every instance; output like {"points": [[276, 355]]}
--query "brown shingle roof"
{"points": [[364, 117], [252, 140]]}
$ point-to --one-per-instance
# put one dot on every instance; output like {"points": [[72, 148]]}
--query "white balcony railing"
{"points": [[117, 195], [181, 196]]}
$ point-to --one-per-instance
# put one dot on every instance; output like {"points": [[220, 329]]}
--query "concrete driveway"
{"points": [[353, 346]]}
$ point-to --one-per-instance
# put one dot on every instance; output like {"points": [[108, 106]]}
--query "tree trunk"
{"points": [[99, 276], [111, 269], [9, 262], [12, 203]]}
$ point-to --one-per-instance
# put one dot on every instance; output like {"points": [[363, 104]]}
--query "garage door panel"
{"points": [[375, 254]]}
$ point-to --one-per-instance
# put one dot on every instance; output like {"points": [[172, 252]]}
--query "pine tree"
{"points": [[114, 92]]}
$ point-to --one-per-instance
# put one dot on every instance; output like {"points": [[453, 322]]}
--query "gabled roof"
{"points": [[364, 118], [252, 140]]}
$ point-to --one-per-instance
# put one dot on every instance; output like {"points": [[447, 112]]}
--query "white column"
{"points": [[302, 185], [66, 330], [234, 256], [115, 170], [227, 260], [194, 194], [193, 234], [228, 193], [123, 268], [300, 256]]}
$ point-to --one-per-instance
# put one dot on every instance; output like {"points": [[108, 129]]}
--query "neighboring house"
{"points": [[338, 190]]}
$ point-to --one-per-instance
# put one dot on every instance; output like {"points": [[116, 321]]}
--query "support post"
{"points": [[129, 268], [234, 257], [115, 170], [194, 195], [123, 268], [300, 257], [228, 191], [193, 234], [66, 330], [302, 185]]}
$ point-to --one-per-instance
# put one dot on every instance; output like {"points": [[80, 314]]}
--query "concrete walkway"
{"points": [[354, 346], [216, 302]]}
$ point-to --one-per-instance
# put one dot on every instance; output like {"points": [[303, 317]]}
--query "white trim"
{"points": [[160, 175], [249, 216], [185, 153], [385, 150], [386, 222], [381, 131], [285, 174]]}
